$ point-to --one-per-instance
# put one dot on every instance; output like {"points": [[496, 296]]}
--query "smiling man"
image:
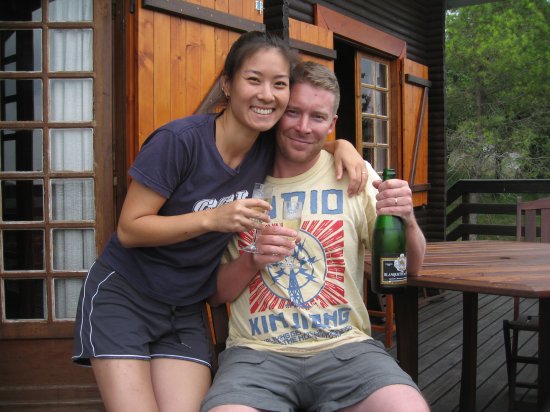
{"points": [[299, 336]]}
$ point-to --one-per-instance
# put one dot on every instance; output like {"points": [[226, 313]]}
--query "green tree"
{"points": [[497, 90]]}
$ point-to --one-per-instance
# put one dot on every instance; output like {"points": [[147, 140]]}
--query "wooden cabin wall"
{"points": [[421, 25]]}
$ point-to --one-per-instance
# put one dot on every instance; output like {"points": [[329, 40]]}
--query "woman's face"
{"points": [[260, 90]]}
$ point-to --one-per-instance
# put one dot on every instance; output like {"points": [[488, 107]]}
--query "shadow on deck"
{"points": [[440, 352]]}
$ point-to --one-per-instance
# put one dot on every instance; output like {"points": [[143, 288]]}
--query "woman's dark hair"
{"points": [[245, 46]]}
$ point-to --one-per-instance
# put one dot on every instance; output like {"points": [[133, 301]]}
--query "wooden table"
{"points": [[506, 268]]}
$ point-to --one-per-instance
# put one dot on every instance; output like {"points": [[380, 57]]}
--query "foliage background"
{"points": [[497, 90], [497, 61]]}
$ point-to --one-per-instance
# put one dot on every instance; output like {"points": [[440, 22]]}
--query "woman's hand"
{"points": [[239, 216]]}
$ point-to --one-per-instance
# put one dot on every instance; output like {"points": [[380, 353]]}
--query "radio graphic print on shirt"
{"points": [[315, 281], [316, 303]]}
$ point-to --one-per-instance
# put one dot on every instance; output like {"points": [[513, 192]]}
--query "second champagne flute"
{"points": [[292, 219], [265, 192]]}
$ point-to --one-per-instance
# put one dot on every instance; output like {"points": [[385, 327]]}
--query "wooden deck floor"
{"points": [[440, 352]]}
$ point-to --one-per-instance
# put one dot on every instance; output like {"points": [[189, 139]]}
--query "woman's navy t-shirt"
{"points": [[180, 162]]}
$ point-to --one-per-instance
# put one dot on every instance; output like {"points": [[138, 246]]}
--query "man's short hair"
{"points": [[318, 76]]}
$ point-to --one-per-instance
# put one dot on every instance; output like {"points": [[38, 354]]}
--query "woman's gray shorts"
{"points": [[329, 381], [115, 321]]}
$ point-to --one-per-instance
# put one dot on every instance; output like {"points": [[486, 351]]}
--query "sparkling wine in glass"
{"points": [[265, 192], [292, 219]]}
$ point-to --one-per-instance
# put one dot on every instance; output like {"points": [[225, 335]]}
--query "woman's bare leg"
{"points": [[179, 385], [125, 385]]}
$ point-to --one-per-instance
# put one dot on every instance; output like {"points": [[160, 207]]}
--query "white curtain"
{"points": [[70, 10], [71, 100]]}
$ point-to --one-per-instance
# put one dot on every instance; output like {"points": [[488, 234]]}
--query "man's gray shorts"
{"points": [[329, 381]]}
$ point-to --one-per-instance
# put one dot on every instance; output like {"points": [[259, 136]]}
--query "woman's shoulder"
{"points": [[184, 128], [183, 124]]}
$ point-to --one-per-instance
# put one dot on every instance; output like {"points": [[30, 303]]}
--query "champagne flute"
{"points": [[265, 192], [292, 219]]}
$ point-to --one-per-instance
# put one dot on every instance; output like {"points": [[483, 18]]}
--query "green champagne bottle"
{"points": [[389, 252]]}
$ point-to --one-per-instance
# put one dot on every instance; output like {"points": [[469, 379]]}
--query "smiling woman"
{"points": [[167, 247]]}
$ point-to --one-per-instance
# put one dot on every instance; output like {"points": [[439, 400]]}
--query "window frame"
{"points": [[102, 173]]}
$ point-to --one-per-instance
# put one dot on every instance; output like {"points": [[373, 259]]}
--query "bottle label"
{"points": [[394, 269]]}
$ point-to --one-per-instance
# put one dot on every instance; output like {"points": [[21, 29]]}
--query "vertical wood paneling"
{"points": [[248, 10], [145, 75], [208, 47], [221, 45], [222, 5], [178, 29], [235, 7], [209, 72], [193, 66], [221, 40], [161, 73], [309, 33]]}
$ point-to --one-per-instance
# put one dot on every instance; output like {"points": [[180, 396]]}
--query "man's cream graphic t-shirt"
{"points": [[317, 303]]}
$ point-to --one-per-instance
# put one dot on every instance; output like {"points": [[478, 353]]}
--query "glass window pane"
{"points": [[21, 10], [24, 299], [21, 100], [368, 154], [73, 249], [368, 130], [23, 249], [381, 75], [22, 50], [70, 10], [72, 199], [367, 71], [380, 158], [71, 149], [71, 50], [22, 200], [381, 131], [71, 100], [366, 100], [382, 103], [21, 150], [66, 294]]}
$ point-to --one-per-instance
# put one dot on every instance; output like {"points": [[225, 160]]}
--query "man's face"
{"points": [[306, 123]]}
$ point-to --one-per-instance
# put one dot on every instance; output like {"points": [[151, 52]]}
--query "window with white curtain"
{"points": [[48, 202]]}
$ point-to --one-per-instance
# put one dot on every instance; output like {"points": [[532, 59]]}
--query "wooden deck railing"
{"points": [[467, 199]]}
